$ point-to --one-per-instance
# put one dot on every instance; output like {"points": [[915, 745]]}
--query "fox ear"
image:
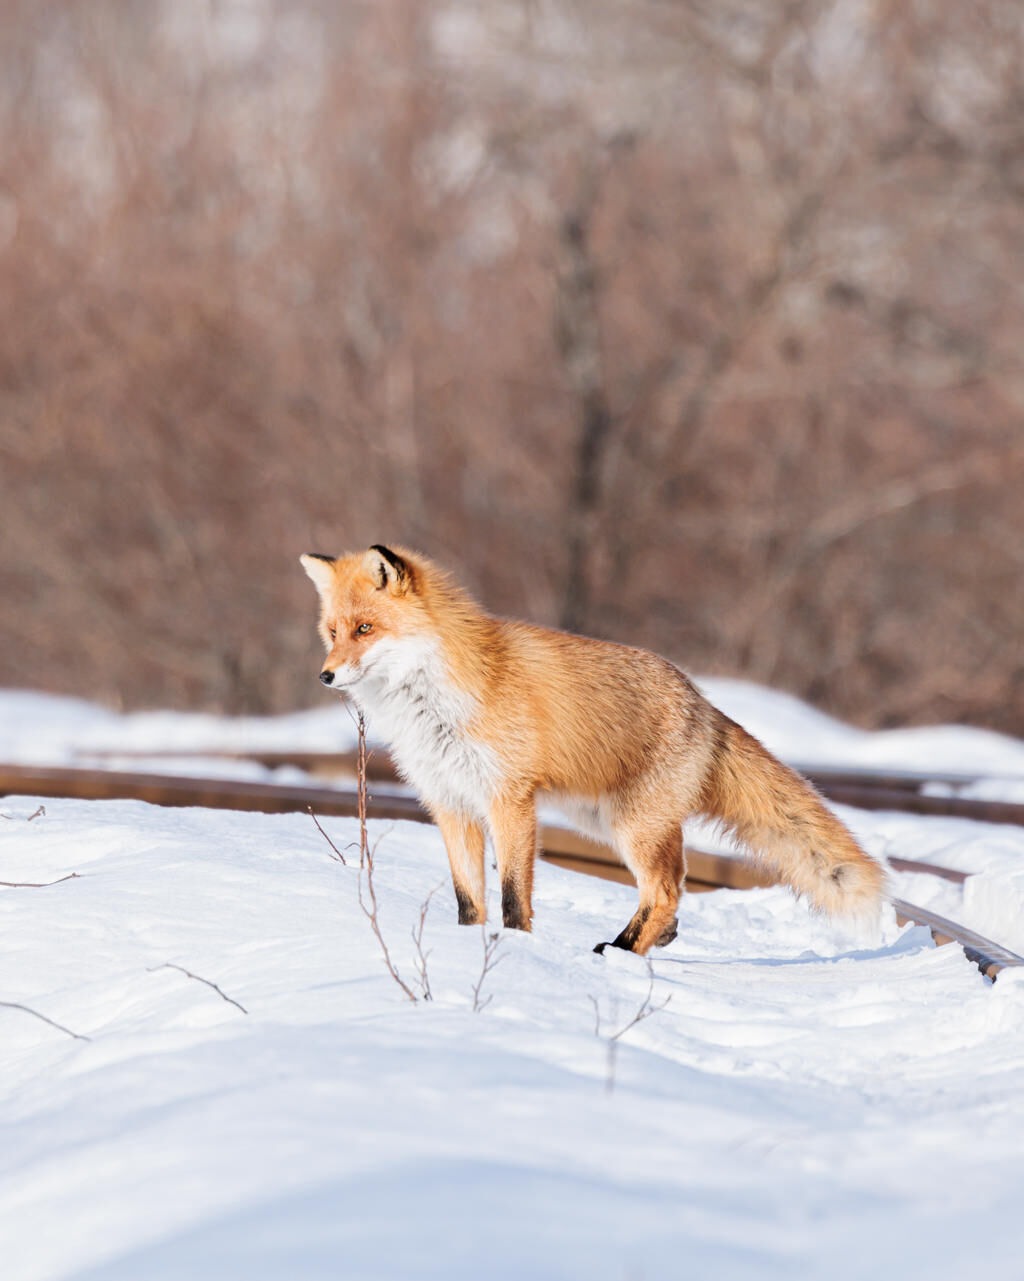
{"points": [[320, 569], [386, 568]]}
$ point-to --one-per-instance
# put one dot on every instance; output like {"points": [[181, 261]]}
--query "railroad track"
{"points": [[565, 848], [868, 789]]}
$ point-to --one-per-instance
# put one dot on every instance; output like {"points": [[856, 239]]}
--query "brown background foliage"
{"points": [[699, 326]]}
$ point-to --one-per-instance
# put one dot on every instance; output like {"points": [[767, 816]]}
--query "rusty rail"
{"points": [[876, 796], [989, 957], [564, 848]]}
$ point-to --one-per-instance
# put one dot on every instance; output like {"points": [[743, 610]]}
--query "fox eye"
{"points": [[363, 628], [332, 633]]}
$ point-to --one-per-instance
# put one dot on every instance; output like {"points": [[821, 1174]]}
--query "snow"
{"points": [[807, 737], [46, 729], [815, 1099]]}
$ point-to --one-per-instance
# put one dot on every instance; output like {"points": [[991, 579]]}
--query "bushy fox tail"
{"points": [[781, 819]]}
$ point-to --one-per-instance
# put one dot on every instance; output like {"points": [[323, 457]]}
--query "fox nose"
{"points": [[327, 677]]}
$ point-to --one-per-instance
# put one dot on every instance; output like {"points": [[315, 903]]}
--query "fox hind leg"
{"points": [[658, 867]]}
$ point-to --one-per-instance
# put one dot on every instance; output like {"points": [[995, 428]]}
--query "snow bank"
{"points": [[807, 737], [44, 729], [812, 1101]]}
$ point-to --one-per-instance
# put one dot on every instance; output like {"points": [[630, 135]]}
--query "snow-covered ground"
{"points": [[815, 1100]]}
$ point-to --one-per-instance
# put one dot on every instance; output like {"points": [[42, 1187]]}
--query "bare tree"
{"points": [[299, 292]]}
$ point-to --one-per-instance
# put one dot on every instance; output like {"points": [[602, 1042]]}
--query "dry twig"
{"points": [[37, 813], [644, 1011], [417, 938], [16, 1005], [361, 758], [337, 853], [491, 960], [38, 885], [366, 853], [169, 965]]}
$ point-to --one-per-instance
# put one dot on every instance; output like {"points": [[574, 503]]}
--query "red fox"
{"points": [[485, 716]]}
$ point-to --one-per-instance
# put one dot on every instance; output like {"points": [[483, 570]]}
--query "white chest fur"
{"points": [[412, 705]]}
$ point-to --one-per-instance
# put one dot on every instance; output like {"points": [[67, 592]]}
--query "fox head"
{"points": [[372, 620]]}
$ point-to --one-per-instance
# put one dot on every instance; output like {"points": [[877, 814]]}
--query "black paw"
{"points": [[622, 944], [468, 915], [515, 914]]}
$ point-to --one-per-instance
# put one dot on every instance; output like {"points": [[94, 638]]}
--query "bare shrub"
{"points": [[491, 960], [423, 956]]}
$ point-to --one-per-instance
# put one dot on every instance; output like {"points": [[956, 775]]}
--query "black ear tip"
{"points": [[329, 560], [392, 558]]}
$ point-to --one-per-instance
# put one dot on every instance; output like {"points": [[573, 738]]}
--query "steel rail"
{"points": [[705, 871]]}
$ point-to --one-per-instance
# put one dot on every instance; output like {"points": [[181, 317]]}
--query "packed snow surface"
{"points": [[803, 1099]]}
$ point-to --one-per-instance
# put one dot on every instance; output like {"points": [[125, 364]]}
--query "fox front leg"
{"points": [[514, 830], [464, 841]]}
